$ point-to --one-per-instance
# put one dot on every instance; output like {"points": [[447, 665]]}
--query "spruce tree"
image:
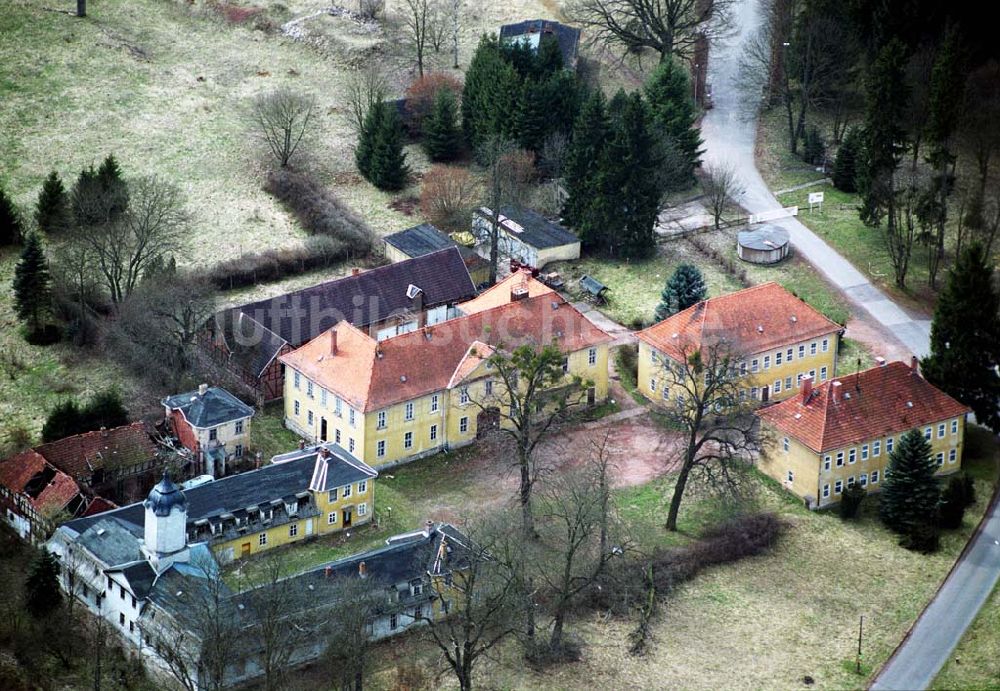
{"points": [[105, 409], [549, 59], [814, 149], [62, 422], [590, 137], [954, 500], [910, 491], [32, 284], [52, 210], [965, 337], [845, 164], [379, 155], [99, 196], [42, 595], [686, 287], [669, 94], [10, 221], [490, 95], [442, 138], [532, 120]]}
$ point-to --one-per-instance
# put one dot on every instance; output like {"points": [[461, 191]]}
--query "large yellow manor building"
{"points": [[412, 395], [779, 339], [842, 432]]}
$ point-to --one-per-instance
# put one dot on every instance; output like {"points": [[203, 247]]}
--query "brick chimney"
{"points": [[202, 389], [518, 292], [807, 388], [835, 391], [333, 342], [104, 431], [362, 569], [915, 364], [428, 528], [302, 444], [880, 361], [355, 271]]}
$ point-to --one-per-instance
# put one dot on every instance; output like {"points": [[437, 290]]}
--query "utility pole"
{"points": [[861, 627]]}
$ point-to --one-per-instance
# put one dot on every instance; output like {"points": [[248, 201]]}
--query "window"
{"points": [[798, 379], [362, 509], [789, 355], [812, 375], [850, 481], [652, 384], [888, 445], [331, 518], [743, 369], [840, 459], [877, 447], [434, 432], [309, 417], [408, 440], [754, 393], [336, 436], [416, 587], [863, 479], [666, 393], [332, 496], [298, 380], [940, 430], [952, 455], [380, 419], [592, 356], [767, 362], [784, 444], [940, 458], [293, 530], [121, 591], [309, 389], [434, 403], [380, 448], [393, 621], [463, 395], [864, 452], [852, 455], [488, 387], [754, 365], [826, 462], [337, 406], [777, 358], [362, 486], [874, 478], [239, 451], [812, 348], [788, 383], [790, 477], [826, 491], [131, 627], [463, 425], [838, 486], [121, 619], [408, 411], [802, 351], [350, 416], [350, 445], [826, 344], [347, 491], [296, 408], [213, 434], [239, 427], [777, 386], [322, 397], [262, 539], [927, 433], [822, 373], [134, 603], [652, 356]]}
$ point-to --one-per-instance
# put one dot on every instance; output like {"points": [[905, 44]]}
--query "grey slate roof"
{"points": [[568, 36], [215, 407], [110, 540], [366, 298], [420, 240], [235, 493], [538, 231], [252, 346], [140, 578]]}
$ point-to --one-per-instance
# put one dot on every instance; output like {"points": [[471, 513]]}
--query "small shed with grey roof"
{"points": [[426, 238], [533, 31], [767, 244], [526, 236]]}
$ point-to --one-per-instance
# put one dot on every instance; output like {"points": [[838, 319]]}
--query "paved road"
{"points": [[729, 135]]}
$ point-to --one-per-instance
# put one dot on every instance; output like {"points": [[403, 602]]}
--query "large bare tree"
{"points": [[669, 27], [282, 118], [365, 87], [357, 601], [722, 189], [505, 183], [418, 20]]}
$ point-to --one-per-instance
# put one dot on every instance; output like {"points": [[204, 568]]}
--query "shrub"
{"points": [[845, 164], [954, 499], [52, 210], [320, 211], [814, 149], [447, 196], [11, 228], [628, 365], [850, 501], [252, 268], [922, 537], [105, 409], [422, 92]]}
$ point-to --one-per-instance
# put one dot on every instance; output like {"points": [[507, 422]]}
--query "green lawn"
{"points": [[268, 433], [975, 662]]}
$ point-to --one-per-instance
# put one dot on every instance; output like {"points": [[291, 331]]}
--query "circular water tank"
{"points": [[763, 244]]}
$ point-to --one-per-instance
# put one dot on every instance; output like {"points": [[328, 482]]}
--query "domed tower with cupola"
{"points": [[165, 530]]}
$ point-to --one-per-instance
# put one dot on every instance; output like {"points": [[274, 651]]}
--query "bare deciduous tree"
{"points": [[669, 27], [722, 188], [348, 643], [366, 87], [448, 194], [506, 183], [371, 9], [418, 20], [455, 16], [282, 119]]}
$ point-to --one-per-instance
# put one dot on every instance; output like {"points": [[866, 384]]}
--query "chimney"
{"points": [[355, 271], [333, 342], [259, 457], [362, 569], [324, 452], [104, 431], [328, 571], [428, 528], [202, 389], [302, 445], [518, 292], [915, 364], [807, 388], [880, 361], [835, 391]]}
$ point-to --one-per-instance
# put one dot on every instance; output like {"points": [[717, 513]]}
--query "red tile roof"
{"points": [[98, 505], [371, 376], [48, 489], [883, 400], [81, 454], [500, 294], [753, 320]]}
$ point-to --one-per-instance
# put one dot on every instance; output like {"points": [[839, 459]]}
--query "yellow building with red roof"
{"points": [[779, 339], [401, 398], [842, 432]]}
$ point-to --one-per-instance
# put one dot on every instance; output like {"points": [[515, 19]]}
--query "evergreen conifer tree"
{"points": [[586, 152], [52, 210], [62, 422], [442, 138], [379, 155], [965, 337], [549, 59], [814, 149], [10, 221], [105, 409], [532, 120], [490, 94], [42, 595], [910, 491], [669, 94], [845, 165], [32, 284], [686, 287]]}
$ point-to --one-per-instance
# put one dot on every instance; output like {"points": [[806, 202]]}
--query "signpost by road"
{"points": [[816, 200]]}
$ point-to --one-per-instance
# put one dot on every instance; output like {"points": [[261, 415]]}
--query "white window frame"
{"points": [[767, 362], [812, 348], [350, 444], [362, 486], [362, 509], [652, 384], [802, 351], [463, 425], [840, 459], [345, 492], [408, 411], [297, 408], [954, 426], [434, 403], [777, 358], [863, 479], [777, 386], [785, 444], [928, 433], [939, 457], [434, 432], [838, 487], [864, 452], [380, 420], [380, 448], [876, 448], [293, 529], [755, 365], [262, 540], [941, 430], [822, 373], [852, 455], [592, 356], [463, 395], [952, 455], [826, 491], [331, 518], [297, 378], [889, 445], [790, 355], [874, 477], [408, 440], [827, 461], [826, 345]]}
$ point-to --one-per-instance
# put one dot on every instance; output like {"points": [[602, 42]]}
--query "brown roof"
{"points": [[752, 320], [81, 454], [500, 293], [371, 375], [883, 400], [48, 489]]}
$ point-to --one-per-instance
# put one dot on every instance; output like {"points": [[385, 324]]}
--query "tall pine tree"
{"points": [[490, 95], [32, 284], [965, 337], [42, 595], [583, 164], [686, 287], [845, 171], [442, 138], [910, 492], [669, 94], [52, 210], [10, 221], [379, 156]]}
